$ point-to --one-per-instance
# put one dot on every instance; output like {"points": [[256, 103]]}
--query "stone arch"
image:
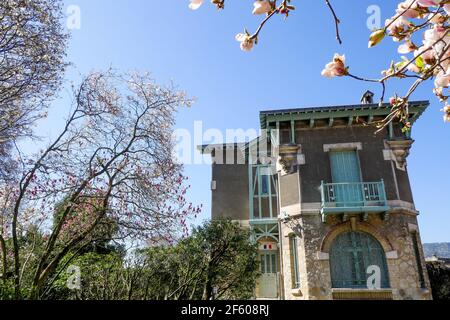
{"points": [[361, 227]]}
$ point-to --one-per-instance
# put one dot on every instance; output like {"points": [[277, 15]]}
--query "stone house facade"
{"points": [[329, 202]]}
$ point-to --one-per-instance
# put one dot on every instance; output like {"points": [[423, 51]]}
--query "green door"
{"points": [[351, 255], [268, 281], [346, 174]]}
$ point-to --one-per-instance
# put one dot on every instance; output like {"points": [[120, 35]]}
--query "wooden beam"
{"points": [[292, 131]]}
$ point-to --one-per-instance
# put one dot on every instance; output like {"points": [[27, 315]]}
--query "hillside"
{"points": [[441, 250]]}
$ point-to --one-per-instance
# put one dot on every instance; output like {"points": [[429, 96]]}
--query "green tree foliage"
{"points": [[218, 261]]}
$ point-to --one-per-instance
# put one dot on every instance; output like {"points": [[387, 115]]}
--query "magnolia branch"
{"points": [[336, 21]]}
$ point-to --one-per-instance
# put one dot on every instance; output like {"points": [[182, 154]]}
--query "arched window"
{"points": [[351, 255]]}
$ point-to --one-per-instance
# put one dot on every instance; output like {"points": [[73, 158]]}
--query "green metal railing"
{"points": [[353, 197]]}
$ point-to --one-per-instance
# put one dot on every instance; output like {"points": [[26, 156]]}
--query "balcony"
{"points": [[353, 197]]}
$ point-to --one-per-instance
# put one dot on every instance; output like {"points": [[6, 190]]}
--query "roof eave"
{"points": [[335, 111]]}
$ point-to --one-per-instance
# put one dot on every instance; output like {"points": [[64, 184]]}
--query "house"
{"points": [[443, 261], [329, 202]]}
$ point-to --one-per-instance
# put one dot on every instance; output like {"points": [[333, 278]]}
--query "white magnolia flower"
{"points": [[335, 68], [442, 79], [262, 7], [446, 111], [195, 4], [246, 41], [406, 47]]}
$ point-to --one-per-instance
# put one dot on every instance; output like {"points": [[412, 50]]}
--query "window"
{"points": [[293, 245], [264, 175], [351, 255], [265, 184], [269, 263]]}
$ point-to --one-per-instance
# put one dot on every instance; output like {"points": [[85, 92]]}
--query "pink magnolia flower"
{"points": [[434, 34], [408, 9], [447, 8], [336, 68], [262, 7], [413, 68], [396, 25], [446, 111], [442, 79], [392, 100], [407, 47], [246, 41], [195, 4], [428, 3]]}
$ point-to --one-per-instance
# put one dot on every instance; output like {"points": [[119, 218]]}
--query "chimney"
{"points": [[367, 97]]}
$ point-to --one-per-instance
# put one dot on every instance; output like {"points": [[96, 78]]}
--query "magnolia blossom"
{"points": [[195, 4], [262, 7], [413, 68], [442, 79], [407, 47], [434, 3], [408, 9], [434, 34], [396, 26], [428, 3], [336, 68], [246, 41], [447, 117], [393, 101], [446, 111]]}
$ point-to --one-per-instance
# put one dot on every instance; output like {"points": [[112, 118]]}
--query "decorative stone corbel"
{"points": [[400, 151], [290, 157]]}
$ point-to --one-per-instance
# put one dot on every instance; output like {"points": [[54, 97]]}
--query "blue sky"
{"points": [[197, 51]]}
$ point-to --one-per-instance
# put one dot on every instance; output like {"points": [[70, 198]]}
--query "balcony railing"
{"points": [[354, 197]]}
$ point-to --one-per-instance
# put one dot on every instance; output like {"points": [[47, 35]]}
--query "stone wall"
{"points": [[373, 162], [315, 238]]}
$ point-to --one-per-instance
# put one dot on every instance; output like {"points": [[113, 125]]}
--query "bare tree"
{"points": [[32, 52], [113, 160]]}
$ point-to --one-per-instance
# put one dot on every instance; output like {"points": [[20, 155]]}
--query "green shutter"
{"points": [[346, 175], [345, 166]]}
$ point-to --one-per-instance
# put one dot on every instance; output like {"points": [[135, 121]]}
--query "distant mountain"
{"points": [[442, 250]]}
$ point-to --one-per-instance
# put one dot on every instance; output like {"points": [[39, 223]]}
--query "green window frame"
{"points": [[350, 256], [269, 263], [293, 245]]}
